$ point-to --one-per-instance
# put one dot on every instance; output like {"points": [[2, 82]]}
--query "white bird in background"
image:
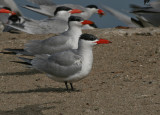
{"points": [[56, 24], [68, 66], [64, 41], [120, 16], [47, 8], [139, 21], [150, 13]]}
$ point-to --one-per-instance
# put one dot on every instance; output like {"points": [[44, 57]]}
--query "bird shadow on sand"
{"points": [[28, 72], [43, 90], [30, 109]]}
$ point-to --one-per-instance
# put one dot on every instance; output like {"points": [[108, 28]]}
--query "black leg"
{"points": [[71, 87], [66, 85]]}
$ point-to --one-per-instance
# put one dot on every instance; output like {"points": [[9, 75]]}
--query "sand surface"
{"points": [[125, 78]]}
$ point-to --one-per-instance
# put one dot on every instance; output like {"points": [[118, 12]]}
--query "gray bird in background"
{"points": [[47, 7], [63, 41], [56, 24]]}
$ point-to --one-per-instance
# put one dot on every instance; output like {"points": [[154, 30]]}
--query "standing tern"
{"points": [[57, 24], [47, 8], [64, 41], [68, 66]]}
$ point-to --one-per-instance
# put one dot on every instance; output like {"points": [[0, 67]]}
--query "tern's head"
{"points": [[14, 19], [65, 11], [95, 9], [78, 21], [92, 40], [7, 8]]}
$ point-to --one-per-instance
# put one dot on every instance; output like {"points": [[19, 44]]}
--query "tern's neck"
{"points": [[89, 12], [74, 30], [62, 17], [85, 50], [74, 33]]}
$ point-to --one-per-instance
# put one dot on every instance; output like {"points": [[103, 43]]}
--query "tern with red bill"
{"points": [[64, 41], [2, 10], [68, 66], [10, 14], [56, 24], [11, 6], [47, 8]]}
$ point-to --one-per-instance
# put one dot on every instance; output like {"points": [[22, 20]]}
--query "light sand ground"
{"points": [[125, 79]]}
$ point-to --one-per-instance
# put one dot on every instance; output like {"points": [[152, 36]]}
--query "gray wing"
{"points": [[43, 2], [48, 46], [73, 6], [122, 17], [42, 9], [151, 14], [149, 9], [46, 7], [61, 64], [42, 26]]}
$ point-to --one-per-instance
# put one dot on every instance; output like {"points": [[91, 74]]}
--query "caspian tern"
{"points": [[57, 24], [139, 21], [68, 66], [151, 13], [66, 40], [47, 8]]}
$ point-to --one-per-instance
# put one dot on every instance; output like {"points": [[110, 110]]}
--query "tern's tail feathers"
{"points": [[37, 10], [40, 62], [23, 29], [13, 51], [25, 61], [16, 52]]}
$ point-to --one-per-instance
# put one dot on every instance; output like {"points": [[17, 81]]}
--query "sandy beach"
{"points": [[124, 79]]}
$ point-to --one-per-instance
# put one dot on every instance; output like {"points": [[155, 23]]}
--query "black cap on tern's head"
{"points": [[92, 6], [93, 39], [93, 25], [62, 8], [75, 18], [96, 9], [88, 37], [7, 8], [14, 18]]}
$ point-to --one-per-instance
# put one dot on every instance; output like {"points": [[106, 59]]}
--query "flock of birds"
{"points": [[66, 57]]}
